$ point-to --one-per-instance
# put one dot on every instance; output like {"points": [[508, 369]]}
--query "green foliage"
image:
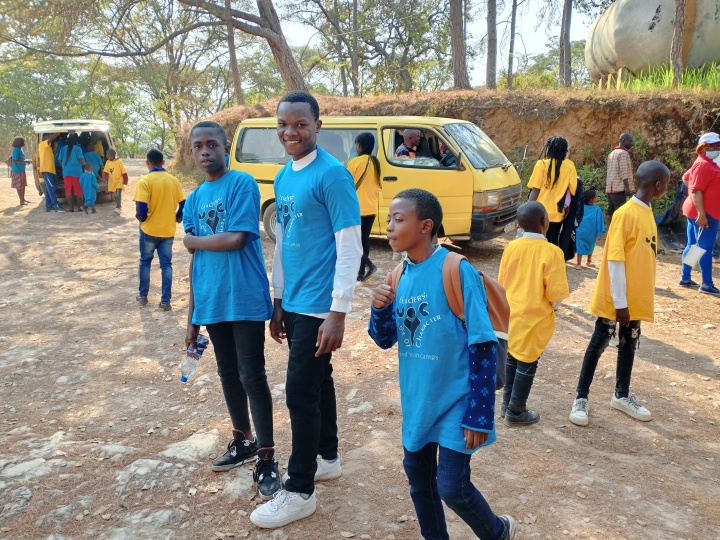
{"points": [[706, 77], [536, 72]]}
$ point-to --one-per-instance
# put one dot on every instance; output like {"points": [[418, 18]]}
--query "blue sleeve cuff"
{"points": [[382, 327], [179, 213], [480, 412], [141, 211]]}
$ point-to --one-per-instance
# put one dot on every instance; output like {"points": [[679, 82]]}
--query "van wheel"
{"points": [[269, 220]]}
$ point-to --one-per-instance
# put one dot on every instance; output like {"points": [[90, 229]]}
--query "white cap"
{"points": [[709, 138]]}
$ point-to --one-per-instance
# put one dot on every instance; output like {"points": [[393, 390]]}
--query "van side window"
{"points": [[425, 153], [261, 145], [341, 142]]}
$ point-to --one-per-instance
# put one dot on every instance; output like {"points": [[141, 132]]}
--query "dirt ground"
{"points": [[101, 440]]}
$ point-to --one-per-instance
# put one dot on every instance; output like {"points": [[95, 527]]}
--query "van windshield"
{"points": [[479, 149]]}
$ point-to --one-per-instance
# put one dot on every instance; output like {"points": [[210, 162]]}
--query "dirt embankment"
{"points": [[590, 120]]}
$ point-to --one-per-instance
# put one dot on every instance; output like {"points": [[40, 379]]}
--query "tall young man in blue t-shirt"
{"points": [[317, 257]]}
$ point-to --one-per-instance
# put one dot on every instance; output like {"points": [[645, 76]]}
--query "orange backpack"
{"points": [[498, 307]]}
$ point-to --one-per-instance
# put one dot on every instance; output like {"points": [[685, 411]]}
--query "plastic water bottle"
{"points": [[189, 366]]}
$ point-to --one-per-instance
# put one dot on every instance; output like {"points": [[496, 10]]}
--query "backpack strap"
{"points": [[396, 273], [498, 306], [452, 283]]}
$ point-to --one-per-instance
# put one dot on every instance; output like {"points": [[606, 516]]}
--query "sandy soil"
{"points": [[101, 440]]}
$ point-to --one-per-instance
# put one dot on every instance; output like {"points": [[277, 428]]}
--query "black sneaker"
{"points": [[238, 453], [370, 271], [266, 476], [165, 306], [524, 418]]}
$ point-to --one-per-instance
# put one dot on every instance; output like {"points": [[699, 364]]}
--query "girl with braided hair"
{"points": [[553, 177]]}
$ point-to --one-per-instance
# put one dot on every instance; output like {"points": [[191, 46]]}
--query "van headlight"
{"points": [[486, 201]]}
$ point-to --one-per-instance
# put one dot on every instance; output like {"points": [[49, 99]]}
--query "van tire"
{"points": [[269, 220]]}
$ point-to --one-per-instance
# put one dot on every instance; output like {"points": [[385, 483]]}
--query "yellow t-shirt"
{"points": [[99, 148], [47, 157], [115, 170], [162, 192], [369, 191], [632, 238], [532, 270], [549, 197]]}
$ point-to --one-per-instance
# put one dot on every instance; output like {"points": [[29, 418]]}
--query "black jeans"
{"points": [[627, 343], [240, 353], [615, 201], [366, 223], [553, 232], [310, 396]]}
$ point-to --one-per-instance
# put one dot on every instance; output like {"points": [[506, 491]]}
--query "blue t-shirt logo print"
{"points": [[285, 215], [411, 319], [213, 217]]}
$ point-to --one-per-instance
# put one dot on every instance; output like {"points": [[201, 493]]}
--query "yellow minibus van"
{"points": [[479, 194]]}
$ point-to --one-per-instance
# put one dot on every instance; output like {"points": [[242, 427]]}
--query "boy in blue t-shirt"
{"points": [[230, 295], [89, 186], [447, 371], [317, 258]]}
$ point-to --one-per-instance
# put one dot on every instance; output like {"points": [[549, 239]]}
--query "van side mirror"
{"points": [[459, 164]]}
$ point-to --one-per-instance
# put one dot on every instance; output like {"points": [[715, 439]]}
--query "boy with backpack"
{"points": [[532, 270], [447, 371]]}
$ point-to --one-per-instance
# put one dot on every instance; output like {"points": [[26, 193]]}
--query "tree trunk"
{"points": [[491, 67], [406, 78], [287, 66], [354, 53], [457, 45], [676, 48], [234, 70], [565, 75], [511, 55]]}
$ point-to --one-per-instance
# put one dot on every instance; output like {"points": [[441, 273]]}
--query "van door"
{"points": [[452, 186]]}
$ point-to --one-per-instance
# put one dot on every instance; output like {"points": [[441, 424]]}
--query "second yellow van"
{"points": [[479, 194]]}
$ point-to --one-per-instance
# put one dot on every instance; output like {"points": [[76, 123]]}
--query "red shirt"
{"points": [[704, 175]]}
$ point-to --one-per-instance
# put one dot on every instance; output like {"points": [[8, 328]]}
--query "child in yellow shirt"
{"points": [[117, 178], [532, 270], [624, 292]]}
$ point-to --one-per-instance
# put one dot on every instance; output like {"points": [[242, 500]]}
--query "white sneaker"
{"points": [[118, 211], [579, 412], [282, 509], [326, 470], [631, 407]]}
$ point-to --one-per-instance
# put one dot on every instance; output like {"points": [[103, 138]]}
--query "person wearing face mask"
{"points": [[619, 183], [702, 210]]}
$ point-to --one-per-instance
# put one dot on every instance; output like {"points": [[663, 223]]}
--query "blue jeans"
{"points": [[50, 190], [707, 242], [148, 246], [447, 479]]}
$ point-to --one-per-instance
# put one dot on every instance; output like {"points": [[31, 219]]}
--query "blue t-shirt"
{"points": [[591, 227], [312, 205], [434, 358], [96, 161], [71, 165], [89, 185], [17, 153], [228, 285]]}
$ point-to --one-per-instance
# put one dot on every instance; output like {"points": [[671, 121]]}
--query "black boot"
{"points": [[510, 369], [517, 413]]}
